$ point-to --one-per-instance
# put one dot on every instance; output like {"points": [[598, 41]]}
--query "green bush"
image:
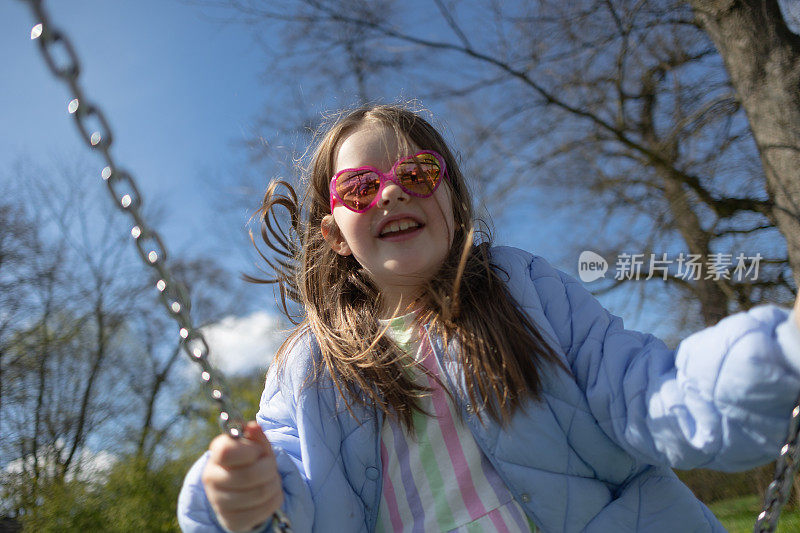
{"points": [[135, 497], [712, 486]]}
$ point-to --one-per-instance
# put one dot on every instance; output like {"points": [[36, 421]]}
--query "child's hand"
{"points": [[241, 479]]}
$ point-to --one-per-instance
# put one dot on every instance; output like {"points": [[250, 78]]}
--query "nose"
{"points": [[391, 193]]}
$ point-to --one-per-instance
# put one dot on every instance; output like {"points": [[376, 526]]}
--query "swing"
{"points": [[176, 300]]}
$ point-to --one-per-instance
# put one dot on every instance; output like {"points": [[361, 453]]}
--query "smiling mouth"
{"points": [[400, 227]]}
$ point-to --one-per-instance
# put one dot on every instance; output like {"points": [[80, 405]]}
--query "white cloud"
{"points": [[244, 344], [89, 465]]}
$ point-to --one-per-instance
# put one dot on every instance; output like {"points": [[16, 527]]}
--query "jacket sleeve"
{"points": [[276, 417], [721, 400]]}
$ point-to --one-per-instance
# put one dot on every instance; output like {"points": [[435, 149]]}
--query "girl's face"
{"points": [[400, 261]]}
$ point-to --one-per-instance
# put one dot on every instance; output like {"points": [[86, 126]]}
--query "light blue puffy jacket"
{"points": [[594, 455]]}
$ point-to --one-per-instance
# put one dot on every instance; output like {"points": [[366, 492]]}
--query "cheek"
{"points": [[445, 207], [354, 228]]}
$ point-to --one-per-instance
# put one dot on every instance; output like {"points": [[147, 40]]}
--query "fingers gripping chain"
{"points": [[63, 62]]}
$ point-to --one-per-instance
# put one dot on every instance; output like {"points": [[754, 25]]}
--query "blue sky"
{"points": [[182, 91], [180, 88], [177, 88]]}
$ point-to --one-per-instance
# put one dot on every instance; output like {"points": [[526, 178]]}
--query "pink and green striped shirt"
{"points": [[439, 479]]}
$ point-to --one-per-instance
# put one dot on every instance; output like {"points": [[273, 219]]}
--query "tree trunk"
{"points": [[713, 300], [762, 57]]}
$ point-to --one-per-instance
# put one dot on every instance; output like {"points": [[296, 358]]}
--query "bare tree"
{"points": [[621, 109], [15, 244], [67, 303], [88, 357], [762, 56]]}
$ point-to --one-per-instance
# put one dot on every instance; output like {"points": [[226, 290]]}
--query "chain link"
{"points": [[95, 131], [778, 491]]}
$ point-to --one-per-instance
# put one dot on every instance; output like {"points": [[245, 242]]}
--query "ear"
{"points": [[332, 235]]}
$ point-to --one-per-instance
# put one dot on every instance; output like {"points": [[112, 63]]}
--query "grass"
{"points": [[738, 515]]}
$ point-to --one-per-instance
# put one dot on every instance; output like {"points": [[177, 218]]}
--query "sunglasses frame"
{"points": [[384, 178]]}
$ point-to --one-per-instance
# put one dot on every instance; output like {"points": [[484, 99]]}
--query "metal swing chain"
{"points": [[62, 61], [778, 491]]}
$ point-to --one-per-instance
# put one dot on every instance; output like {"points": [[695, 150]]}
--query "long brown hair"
{"points": [[466, 303]]}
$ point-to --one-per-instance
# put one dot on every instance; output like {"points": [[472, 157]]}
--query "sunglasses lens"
{"points": [[357, 189], [419, 174]]}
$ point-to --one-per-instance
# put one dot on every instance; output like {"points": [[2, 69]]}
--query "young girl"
{"points": [[435, 384]]}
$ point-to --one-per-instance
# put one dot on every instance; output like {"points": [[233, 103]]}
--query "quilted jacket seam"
{"points": [[638, 507], [566, 429], [615, 396], [570, 404], [348, 478], [350, 433], [569, 460], [571, 322], [672, 479], [603, 370], [539, 469]]}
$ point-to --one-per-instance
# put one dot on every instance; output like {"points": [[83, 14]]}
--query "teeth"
{"points": [[399, 225]]}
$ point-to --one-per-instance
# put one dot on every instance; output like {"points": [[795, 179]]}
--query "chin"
{"points": [[414, 276]]}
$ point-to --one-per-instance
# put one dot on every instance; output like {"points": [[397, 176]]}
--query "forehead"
{"points": [[372, 144]]}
